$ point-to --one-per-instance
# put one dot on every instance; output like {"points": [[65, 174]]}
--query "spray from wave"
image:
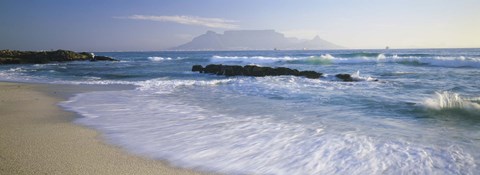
{"points": [[448, 100], [356, 76]]}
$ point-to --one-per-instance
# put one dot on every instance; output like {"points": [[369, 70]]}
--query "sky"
{"points": [[152, 25]]}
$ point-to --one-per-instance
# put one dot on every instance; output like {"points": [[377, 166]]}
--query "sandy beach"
{"points": [[38, 137]]}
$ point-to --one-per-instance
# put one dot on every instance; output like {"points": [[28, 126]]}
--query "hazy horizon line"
{"points": [[246, 50], [166, 50]]}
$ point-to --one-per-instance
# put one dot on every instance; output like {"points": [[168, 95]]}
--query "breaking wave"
{"points": [[358, 58], [251, 59], [448, 100], [162, 86], [163, 58]]}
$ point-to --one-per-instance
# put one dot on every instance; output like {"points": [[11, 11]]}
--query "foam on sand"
{"points": [[37, 137], [181, 127]]}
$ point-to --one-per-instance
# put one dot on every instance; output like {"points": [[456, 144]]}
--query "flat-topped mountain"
{"points": [[253, 40]]}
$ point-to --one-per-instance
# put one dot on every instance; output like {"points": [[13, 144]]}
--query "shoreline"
{"points": [[38, 137]]}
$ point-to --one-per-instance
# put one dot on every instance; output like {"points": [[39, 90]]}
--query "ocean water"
{"points": [[421, 117]]}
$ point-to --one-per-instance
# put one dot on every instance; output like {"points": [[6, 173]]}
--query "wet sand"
{"points": [[38, 137]]}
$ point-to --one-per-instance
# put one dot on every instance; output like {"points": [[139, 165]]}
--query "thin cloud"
{"points": [[188, 20]]}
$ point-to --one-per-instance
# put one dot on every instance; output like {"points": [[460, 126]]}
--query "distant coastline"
{"points": [[43, 57], [349, 49], [253, 40]]}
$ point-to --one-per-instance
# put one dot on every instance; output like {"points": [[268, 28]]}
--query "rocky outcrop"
{"points": [[42, 57], [102, 58], [345, 77], [257, 71], [252, 70], [310, 74]]}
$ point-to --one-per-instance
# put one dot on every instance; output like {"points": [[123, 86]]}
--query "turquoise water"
{"points": [[421, 117]]}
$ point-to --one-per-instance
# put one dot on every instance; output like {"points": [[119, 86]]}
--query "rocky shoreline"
{"points": [[257, 71], [43, 57]]}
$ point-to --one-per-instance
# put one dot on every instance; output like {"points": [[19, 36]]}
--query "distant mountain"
{"points": [[318, 43], [253, 40]]}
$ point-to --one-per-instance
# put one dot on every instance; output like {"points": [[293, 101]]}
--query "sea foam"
{"points": [[180, 127]]}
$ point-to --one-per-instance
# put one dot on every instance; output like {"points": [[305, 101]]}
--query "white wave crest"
{"points": [[251, 59], [381, 56], [159, 58], [450, 100], [167, 86], [460, 61], [443, 61], [356, 76], [163, 58], [327, 56], [17, 69]]}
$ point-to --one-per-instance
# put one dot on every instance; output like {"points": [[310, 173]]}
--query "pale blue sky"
{"points": [[120, 25]]}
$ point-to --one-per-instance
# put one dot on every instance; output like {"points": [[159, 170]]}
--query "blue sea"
{"points": [[422, 116]]}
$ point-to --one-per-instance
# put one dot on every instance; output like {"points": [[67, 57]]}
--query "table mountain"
{"points": [[253, 40]]}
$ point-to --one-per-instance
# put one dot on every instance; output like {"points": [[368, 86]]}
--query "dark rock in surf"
{"points": [[231, 70], [213, 69], [345, 77], [197, 68], [102, 58], [258, 71], [310, 74], [287, 71], [252, 70]]}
